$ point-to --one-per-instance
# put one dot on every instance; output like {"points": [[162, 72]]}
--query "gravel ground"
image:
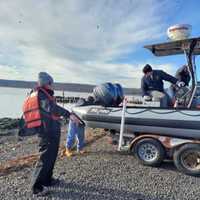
{"points": [[12, 148], [104, 173]]}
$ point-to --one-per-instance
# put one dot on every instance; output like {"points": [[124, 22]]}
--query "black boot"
{"points": [[52, 182], [37, 189]]}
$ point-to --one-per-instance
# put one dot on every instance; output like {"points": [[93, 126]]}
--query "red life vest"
{"points": [[31, 109]]}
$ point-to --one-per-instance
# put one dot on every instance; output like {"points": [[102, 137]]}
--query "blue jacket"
{"points": [[155, 82]]}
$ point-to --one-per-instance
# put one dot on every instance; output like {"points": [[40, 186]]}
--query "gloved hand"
{"points": [[180, 83], [147, 98]]}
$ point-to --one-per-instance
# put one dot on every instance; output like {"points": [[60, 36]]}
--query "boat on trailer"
{"points": [[180, 122]]}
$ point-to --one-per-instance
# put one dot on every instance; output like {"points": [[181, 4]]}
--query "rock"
{"points": [[8, 123]]}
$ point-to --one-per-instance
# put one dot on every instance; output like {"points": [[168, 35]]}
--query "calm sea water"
{"points": [[11, 100]]}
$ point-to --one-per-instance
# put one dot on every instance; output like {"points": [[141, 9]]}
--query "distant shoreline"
{"points": [[71, 87]]}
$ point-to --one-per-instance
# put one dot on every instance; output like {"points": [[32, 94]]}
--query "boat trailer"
{"points": [[152, 149]]}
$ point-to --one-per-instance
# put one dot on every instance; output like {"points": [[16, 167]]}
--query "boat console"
{"points": [[190, 47]]}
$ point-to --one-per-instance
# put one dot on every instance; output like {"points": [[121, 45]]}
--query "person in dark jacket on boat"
{"points": [[42, 114], [153, 81], [77, 130], [183, 74]]}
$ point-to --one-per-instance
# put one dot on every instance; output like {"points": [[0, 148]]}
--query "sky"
{"points": [[89, 41]]}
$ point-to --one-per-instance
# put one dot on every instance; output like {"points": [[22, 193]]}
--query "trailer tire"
{"points": [[187, 159], [149, 152]]}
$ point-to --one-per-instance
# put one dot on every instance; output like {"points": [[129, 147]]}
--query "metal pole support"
{"points": [[122, 124]]}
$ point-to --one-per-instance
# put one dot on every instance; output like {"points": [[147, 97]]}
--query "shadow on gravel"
{"points": [[168, 165], [76, 191], [108, 152]]}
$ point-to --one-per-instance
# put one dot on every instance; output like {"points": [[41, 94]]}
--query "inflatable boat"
{"points": [[169, 122], [182, 121]]}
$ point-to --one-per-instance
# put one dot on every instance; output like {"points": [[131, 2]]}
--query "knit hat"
{"points": [[44, 79]]}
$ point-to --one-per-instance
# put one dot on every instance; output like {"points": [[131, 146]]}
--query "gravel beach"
{"points": [[102, 173]]}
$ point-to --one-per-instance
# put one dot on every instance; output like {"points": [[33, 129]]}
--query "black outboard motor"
{"points": [[120, 93], [108, 94]]}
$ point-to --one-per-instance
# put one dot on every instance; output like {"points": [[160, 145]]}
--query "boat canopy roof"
{"points": [[175, 47]]}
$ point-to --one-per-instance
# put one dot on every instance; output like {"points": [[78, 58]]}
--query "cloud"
{"points": [[77, 41]]}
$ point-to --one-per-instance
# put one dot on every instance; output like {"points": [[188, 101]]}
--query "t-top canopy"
{"points": [[175, 47]]}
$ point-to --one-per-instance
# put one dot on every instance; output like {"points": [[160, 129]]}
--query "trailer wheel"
{"points": [[187, 159], [149, 151]]}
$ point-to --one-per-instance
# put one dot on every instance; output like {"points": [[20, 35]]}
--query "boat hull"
{"points": [[180, 123]]}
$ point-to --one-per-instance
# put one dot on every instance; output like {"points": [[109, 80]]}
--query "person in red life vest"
{"points": [[42, 114]]}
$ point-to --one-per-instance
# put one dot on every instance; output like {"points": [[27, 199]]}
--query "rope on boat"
{"points": [[173, 111], [168, 112], [139, 112], [135, 113], [155, 112]]}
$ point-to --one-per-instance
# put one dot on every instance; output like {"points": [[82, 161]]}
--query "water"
{"points": [[11, 100]]}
